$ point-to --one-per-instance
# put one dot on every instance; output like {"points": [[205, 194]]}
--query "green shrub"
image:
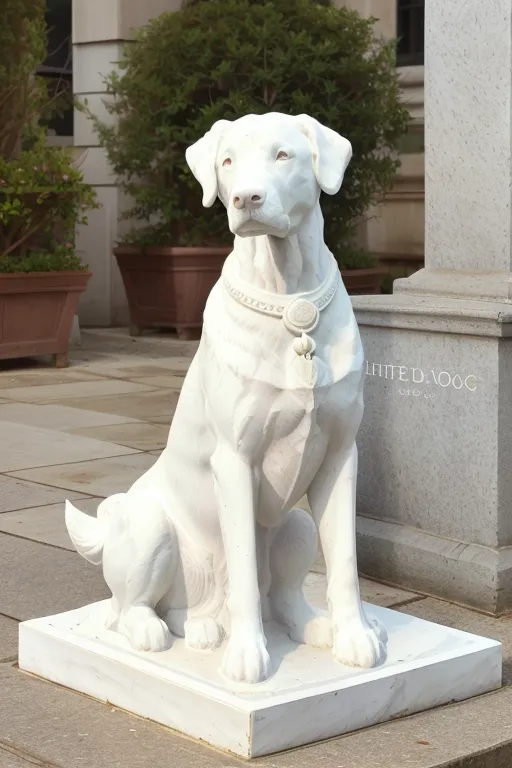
{"points": [[226, 58], [42, 192]]}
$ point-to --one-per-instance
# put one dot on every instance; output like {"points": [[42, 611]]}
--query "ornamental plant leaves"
{"points": [[42, 192], [222, 59]]}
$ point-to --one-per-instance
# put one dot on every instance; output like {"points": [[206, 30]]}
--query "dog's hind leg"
{"points": [[139, 561], [192, 608], [292, 554]]}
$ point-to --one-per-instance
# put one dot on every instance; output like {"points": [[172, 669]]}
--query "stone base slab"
{"points": [[309, 698], [466, 574], [434, 314], [461, 284]]}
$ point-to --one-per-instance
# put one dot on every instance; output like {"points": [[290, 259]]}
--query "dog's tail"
{"points": [[89, 533]]}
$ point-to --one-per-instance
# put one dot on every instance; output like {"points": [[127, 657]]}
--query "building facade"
{"points": [[86, 39]]}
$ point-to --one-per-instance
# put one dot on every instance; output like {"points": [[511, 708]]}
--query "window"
{"points": [[57, 69], [411, 32]]}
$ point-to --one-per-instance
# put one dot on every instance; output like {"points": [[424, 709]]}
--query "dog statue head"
{"points": [[268, 170]]}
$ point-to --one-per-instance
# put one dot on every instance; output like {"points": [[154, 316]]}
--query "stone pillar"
{"points": [[435, 479], [100, 29], [468, 162]]}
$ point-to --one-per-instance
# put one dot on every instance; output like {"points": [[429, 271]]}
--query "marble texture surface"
{"points": [[467, 121], [208, 542], [309, 697]]}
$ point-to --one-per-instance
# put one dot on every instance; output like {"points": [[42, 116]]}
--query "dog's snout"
{"points": [[248, 198]]}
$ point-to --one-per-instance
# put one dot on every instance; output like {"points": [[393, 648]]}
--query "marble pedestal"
{"points": [[435, 447], [310, 697]]}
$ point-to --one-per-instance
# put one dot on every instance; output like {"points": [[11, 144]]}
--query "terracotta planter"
{"points": [[37, 311], [168, 287], [363, 281]]}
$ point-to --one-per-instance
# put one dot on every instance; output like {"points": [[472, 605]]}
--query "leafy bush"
{"points": [[42, 193], [226, 58]]}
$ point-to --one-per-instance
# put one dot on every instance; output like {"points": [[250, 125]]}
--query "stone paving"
{"points": [[91, 430]]}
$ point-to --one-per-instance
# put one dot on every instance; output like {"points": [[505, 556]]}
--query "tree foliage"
{"points": [[42, 193], [225, 58]]}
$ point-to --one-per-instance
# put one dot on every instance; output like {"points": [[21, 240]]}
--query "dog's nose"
{"points": [[248, 198]]}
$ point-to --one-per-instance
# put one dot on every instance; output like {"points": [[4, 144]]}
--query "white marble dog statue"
{"points": [[208, 542]]}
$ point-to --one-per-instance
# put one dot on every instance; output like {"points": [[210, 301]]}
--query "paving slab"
{"points": [[165, 420], [132, 372], [143, 405], [10, 759], [165, 381], [132, 367], [8, 640], [57, 417], [77, 389], [35, 447], [141, 435], [468, 621], [45, 523], [94, 478], [36, 378], [16, 494], [150, 345], [38, 580]]}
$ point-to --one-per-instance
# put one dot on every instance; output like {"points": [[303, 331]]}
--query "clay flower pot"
{"points": [[37, 311], [167, 287], [363, 281]]}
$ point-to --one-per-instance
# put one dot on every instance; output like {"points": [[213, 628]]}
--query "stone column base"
{"points": [[435, 447], [479, 577], [467, 574], [479, 286]]}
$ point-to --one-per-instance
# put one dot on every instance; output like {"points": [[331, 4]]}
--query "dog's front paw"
{"points": [[203, 634], [360, 643], [316, 632], [246, 658], [144, 629]]}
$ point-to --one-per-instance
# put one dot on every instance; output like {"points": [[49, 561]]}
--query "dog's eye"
{"points": [[282, 155], [227, 161]]}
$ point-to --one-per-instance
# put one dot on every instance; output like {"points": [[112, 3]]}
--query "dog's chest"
{"points": [[269, 423], [261, 392]]}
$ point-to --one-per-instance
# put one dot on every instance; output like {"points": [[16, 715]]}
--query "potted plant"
{"points": [[42, 197], [360, 270], [223, 59]]}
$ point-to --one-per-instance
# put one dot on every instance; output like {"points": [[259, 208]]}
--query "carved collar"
{"points": [[300, 312]]}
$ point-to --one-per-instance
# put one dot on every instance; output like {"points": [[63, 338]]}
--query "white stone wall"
{"points": [[100, 28]]}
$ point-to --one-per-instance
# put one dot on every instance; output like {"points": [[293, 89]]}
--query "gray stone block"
{"points": [[8, 639], [468, 574], [40, 580], [9, 759], [435, 447]]}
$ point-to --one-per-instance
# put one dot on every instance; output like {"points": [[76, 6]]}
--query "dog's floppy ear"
{"points": [[331, 153], [201, 158]]}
